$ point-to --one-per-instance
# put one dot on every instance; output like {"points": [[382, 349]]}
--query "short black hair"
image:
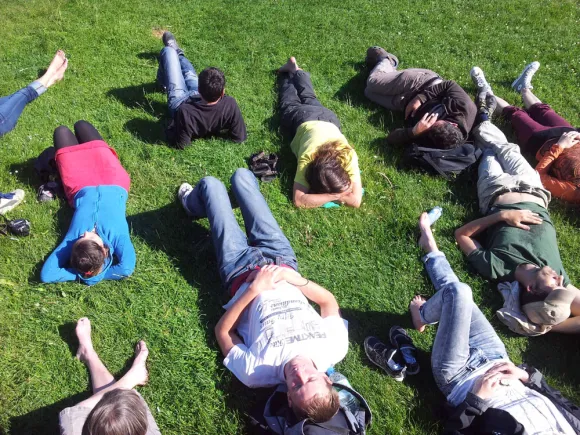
{"points": [[445, 135], [212, 83]]}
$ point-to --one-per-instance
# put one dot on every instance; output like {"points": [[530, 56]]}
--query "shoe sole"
{"points": [[395, 344], [398, 378]]}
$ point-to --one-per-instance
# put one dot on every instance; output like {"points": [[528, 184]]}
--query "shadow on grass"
{"points": [[361, 324]]}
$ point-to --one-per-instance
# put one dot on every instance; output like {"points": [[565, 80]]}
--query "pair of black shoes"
{"points": [[397, 358]]}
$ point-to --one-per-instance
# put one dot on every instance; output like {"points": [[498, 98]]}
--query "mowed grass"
{"points": [[367, 257]]}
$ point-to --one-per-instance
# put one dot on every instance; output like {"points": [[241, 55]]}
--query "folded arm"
{"points": [[302, 198], [560, 189], [125, 253], [54, 268]]}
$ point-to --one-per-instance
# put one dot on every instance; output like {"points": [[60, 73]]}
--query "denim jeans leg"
{"points": [[210, 199], [11, 107], [190, 76], [170, 68], [263, 231]]}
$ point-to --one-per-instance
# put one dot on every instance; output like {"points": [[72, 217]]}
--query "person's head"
{"points": [[119, 412], [88, 254], [445, 135], [543, 297], [326, 173], [310, 392], [211, 84]]}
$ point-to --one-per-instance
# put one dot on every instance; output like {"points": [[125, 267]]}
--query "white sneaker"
{"points": [[524, 81], [479, 81], [184, 190], [7, 204]]}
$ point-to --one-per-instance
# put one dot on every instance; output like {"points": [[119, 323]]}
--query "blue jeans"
{"points": [[237, 251], [465, 339], [178, 76], [11, 107]]}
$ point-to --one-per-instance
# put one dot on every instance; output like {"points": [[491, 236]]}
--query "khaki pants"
{"points": [[503, 168], [393, 89]]}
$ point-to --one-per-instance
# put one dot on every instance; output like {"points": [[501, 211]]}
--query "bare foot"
{"points": [[138, 371], [55, 71], [414, 306], [83, 331], [290, 67], [426, 241]]}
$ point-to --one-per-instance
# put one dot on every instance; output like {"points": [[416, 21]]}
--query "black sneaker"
{"points": [[404, 344], [170, 41], [385, 357], [486, 104], [376, 54]]}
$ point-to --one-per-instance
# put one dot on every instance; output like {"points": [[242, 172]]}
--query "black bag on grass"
{"points": [[278, 418], [441, 162]]}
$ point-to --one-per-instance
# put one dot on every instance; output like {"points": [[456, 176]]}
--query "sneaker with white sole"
{"points": [[10, 200], [386, 357], [184, 190], [480, 81], [524, 81]]}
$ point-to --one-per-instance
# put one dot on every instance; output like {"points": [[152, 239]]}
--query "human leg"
{"points": [[100, 376], [545, 115], [63, 137], [173, 80], [189, 75], [304, 88], [210, 199], [390, 88], [86, 132], [12, 106], [261, 227], [523, 124]]}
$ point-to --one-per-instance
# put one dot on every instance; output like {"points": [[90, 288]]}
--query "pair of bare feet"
{"points": [[289, 67], [137, 374], [55, 71], [427, 243]]}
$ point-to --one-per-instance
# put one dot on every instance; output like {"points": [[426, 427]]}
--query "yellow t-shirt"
{"points": [[309, 137]]}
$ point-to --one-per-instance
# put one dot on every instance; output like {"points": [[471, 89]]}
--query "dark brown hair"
{"points": [[445, 135], [326, 173], [319, 409], [212, 83], [87, 256], [119, 412]]}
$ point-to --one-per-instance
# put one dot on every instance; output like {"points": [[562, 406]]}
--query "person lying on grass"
{"points": [[327, 165], [97, 244], [438, 113], [487, 392], [543, 133], [269, 334], [11, 106], [198, 105], [115, 407], [519, 238]]}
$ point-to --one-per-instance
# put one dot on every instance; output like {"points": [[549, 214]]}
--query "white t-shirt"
{"points": [[277, 326]]}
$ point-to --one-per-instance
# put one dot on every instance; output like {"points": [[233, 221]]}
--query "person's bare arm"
{"points": [[225, 330], [354, 198], [312, 291], [465, 235], [302, 198], [569, 326]]}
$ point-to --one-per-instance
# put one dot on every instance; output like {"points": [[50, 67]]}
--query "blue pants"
{"points": [[465, 340], [237, 251], [178, 76], [11, 107]]}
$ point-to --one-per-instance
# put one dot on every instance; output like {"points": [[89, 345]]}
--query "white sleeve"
{"points": [[337, 331], [242, 363]]}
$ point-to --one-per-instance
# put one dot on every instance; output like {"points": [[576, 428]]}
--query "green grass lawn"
{"points": [[366, 257]]}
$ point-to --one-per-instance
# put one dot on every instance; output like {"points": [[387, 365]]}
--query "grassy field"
{"points": [[367, 257]]}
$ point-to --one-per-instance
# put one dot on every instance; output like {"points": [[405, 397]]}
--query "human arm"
{"points": [[237, 126], [465, 235], [54, 268], [127, 258], [403, 136], [225, 330], [313, 292], [302, 198], [560, 189]]}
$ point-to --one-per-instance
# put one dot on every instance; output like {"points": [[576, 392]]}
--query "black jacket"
{"points": [[446, 98], [473, 416]]}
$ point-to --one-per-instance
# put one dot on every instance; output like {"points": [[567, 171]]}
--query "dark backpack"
{"points": [[441, 162], [279, 419]]}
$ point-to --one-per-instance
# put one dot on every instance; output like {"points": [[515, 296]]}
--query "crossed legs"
{"points": [[178, 76]]}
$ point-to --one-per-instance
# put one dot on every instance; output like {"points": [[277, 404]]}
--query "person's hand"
{"points": [[267, 278], [425, 123], [517, 218], [569, 139], [486, 386], [412, 107], [509, 371]]}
